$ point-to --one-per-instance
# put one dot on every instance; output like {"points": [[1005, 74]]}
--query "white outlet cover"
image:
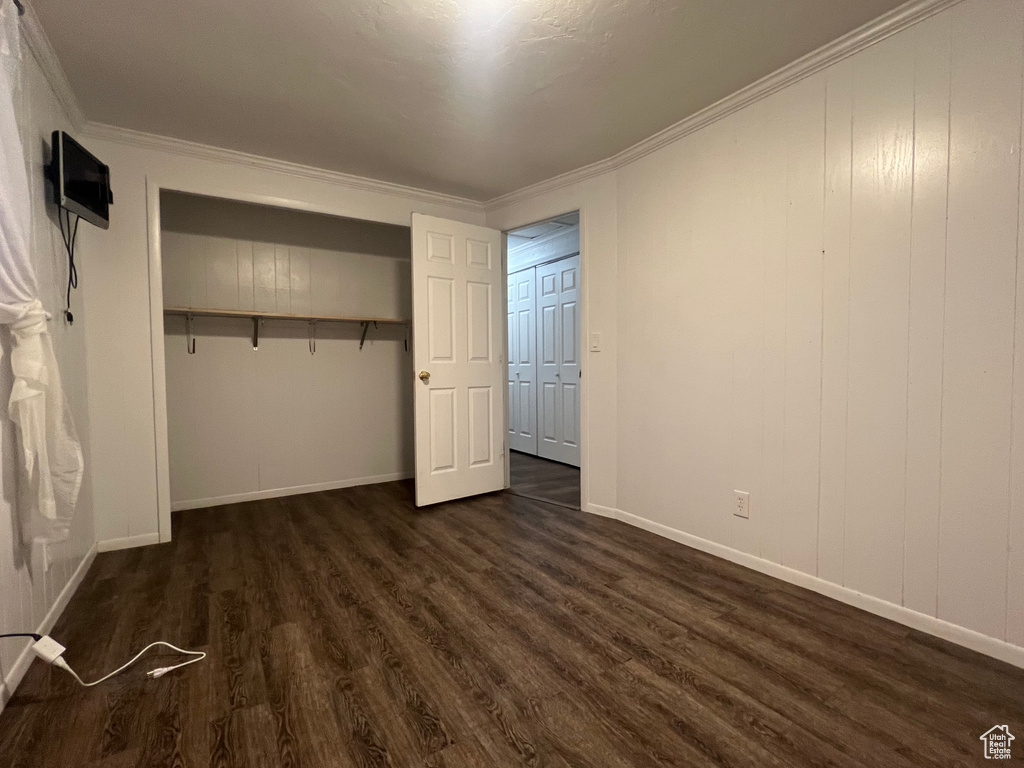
{"points": [[741, 504]]}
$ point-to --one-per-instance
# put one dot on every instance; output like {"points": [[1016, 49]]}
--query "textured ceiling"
{"points": [[469, 97]]}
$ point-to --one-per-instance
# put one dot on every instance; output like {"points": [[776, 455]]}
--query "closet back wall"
{"points": [[246, 424]]}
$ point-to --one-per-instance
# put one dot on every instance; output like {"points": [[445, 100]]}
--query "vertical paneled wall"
{"points": [[245, 422], [27, 596], [826, 308]]}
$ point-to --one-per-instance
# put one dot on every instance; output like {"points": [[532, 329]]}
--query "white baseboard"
{"points": [[20, 667], [215, 501], [597, 509], [142, 540], [976, 641]]}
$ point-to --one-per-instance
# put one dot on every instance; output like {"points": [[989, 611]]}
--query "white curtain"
{"points": [[50, 465]]}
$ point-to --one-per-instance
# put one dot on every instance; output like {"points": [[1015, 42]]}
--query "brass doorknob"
{"points": [[424, 376]]}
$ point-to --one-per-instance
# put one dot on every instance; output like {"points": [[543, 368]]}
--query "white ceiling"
{"points": [[470, 97]]}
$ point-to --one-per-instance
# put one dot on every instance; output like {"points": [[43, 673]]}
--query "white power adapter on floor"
{"points": [[52, 652], [48, 649]]}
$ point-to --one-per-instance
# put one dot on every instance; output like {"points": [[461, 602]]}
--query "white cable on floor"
{"points": [[154, 673]]}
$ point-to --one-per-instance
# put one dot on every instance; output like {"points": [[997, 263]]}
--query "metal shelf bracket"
{"points": [[366, 327]]}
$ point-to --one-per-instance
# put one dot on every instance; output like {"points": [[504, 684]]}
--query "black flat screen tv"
{"points": [[81, 183]]}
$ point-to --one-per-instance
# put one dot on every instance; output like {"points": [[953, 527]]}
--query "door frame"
{"points": [[584, 347]]}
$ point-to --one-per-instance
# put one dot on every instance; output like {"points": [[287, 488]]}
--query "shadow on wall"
{"points": [[199, 215]]}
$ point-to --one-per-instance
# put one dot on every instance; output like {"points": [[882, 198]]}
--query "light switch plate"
{"points": [[595, 342]]}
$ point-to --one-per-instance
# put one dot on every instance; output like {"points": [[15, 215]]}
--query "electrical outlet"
{"points": [[742, 504]]}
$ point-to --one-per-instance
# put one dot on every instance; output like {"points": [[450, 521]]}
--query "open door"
{"points": [[458, 341]]}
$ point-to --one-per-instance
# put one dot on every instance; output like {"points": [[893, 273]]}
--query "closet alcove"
{"points": [[286, 347]]}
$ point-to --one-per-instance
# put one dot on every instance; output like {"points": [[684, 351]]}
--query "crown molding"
{"points": [[863, 37], [152, 141], [38, 43]]}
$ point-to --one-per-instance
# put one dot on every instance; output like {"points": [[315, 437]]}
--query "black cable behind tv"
{"points": [[81, 187]]}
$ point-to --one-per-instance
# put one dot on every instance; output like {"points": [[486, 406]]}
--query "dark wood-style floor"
{"points": [[349, 629], [538, 478]]}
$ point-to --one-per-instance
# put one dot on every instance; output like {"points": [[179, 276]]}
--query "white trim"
{"points": [[24, 660], [598, 509], [506, 450], [586, 259], [127, 542], [272, 493], [968, 638], [158, 363], [863, 37], [152, 141], [39, 45]]}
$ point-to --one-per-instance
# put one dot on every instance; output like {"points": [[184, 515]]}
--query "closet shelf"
{"points": [[256, 314], [190, 313]]}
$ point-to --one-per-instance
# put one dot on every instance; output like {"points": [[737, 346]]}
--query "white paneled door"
{"points": [[522, 368], [457, 351], [558, 360]]}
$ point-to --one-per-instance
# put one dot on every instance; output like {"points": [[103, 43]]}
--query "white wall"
{"points": [[123, 404], [246, 423], [27, 598], [821, 302], [220, 254]]}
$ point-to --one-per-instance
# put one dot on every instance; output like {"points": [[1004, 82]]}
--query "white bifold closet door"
{"points": [[522, 354], [458, 354], [558, 360]]}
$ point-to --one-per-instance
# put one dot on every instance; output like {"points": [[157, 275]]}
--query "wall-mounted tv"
{"points": [[81, 183]]}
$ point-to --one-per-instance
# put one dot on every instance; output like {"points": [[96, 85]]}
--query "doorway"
{"points": [[544, 374]]}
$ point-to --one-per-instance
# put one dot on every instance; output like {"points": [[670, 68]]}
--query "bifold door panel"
{"points": [[558, 360], [522, 369]]}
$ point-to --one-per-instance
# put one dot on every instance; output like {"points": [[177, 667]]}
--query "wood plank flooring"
{"points": [[348, 628], [544, 480]]}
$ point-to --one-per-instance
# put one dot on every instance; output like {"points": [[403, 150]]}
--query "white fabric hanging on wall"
{"points": [[50, 465]]}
